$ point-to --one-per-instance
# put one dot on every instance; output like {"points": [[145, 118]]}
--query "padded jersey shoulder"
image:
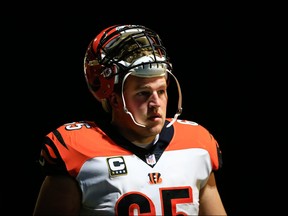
{"points": [[79, 141], [189, 134]]}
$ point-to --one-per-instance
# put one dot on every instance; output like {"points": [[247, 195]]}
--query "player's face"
{"points": [[146, 99]]}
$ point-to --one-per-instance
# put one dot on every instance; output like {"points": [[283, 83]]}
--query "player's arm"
{"points": [[59, 195], [210, 200]]}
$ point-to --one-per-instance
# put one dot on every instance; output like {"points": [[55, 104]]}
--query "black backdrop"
{"points": [[215, 55]]}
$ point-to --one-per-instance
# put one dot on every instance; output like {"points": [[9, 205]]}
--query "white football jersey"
{"points": [[119, 178]]}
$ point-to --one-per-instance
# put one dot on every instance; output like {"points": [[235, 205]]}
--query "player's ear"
{"points": [[106, 105], [114, 100]]}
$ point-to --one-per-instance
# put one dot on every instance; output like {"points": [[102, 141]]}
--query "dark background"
{"points": [[219, 55]]}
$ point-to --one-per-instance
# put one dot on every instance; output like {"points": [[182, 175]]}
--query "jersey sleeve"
{"points": [[61, 152]]}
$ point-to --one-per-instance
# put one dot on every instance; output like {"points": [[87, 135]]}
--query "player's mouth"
{"points": [[155, 117]]}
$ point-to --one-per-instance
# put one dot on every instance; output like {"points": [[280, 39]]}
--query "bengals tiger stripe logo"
{"points": [[154, 178]]}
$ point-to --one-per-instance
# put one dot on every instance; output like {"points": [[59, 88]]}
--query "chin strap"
{"points": [[124, 103], [179, 111]]}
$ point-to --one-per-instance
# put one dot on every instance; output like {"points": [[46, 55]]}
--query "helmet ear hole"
{"points": [[96, 84]]}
